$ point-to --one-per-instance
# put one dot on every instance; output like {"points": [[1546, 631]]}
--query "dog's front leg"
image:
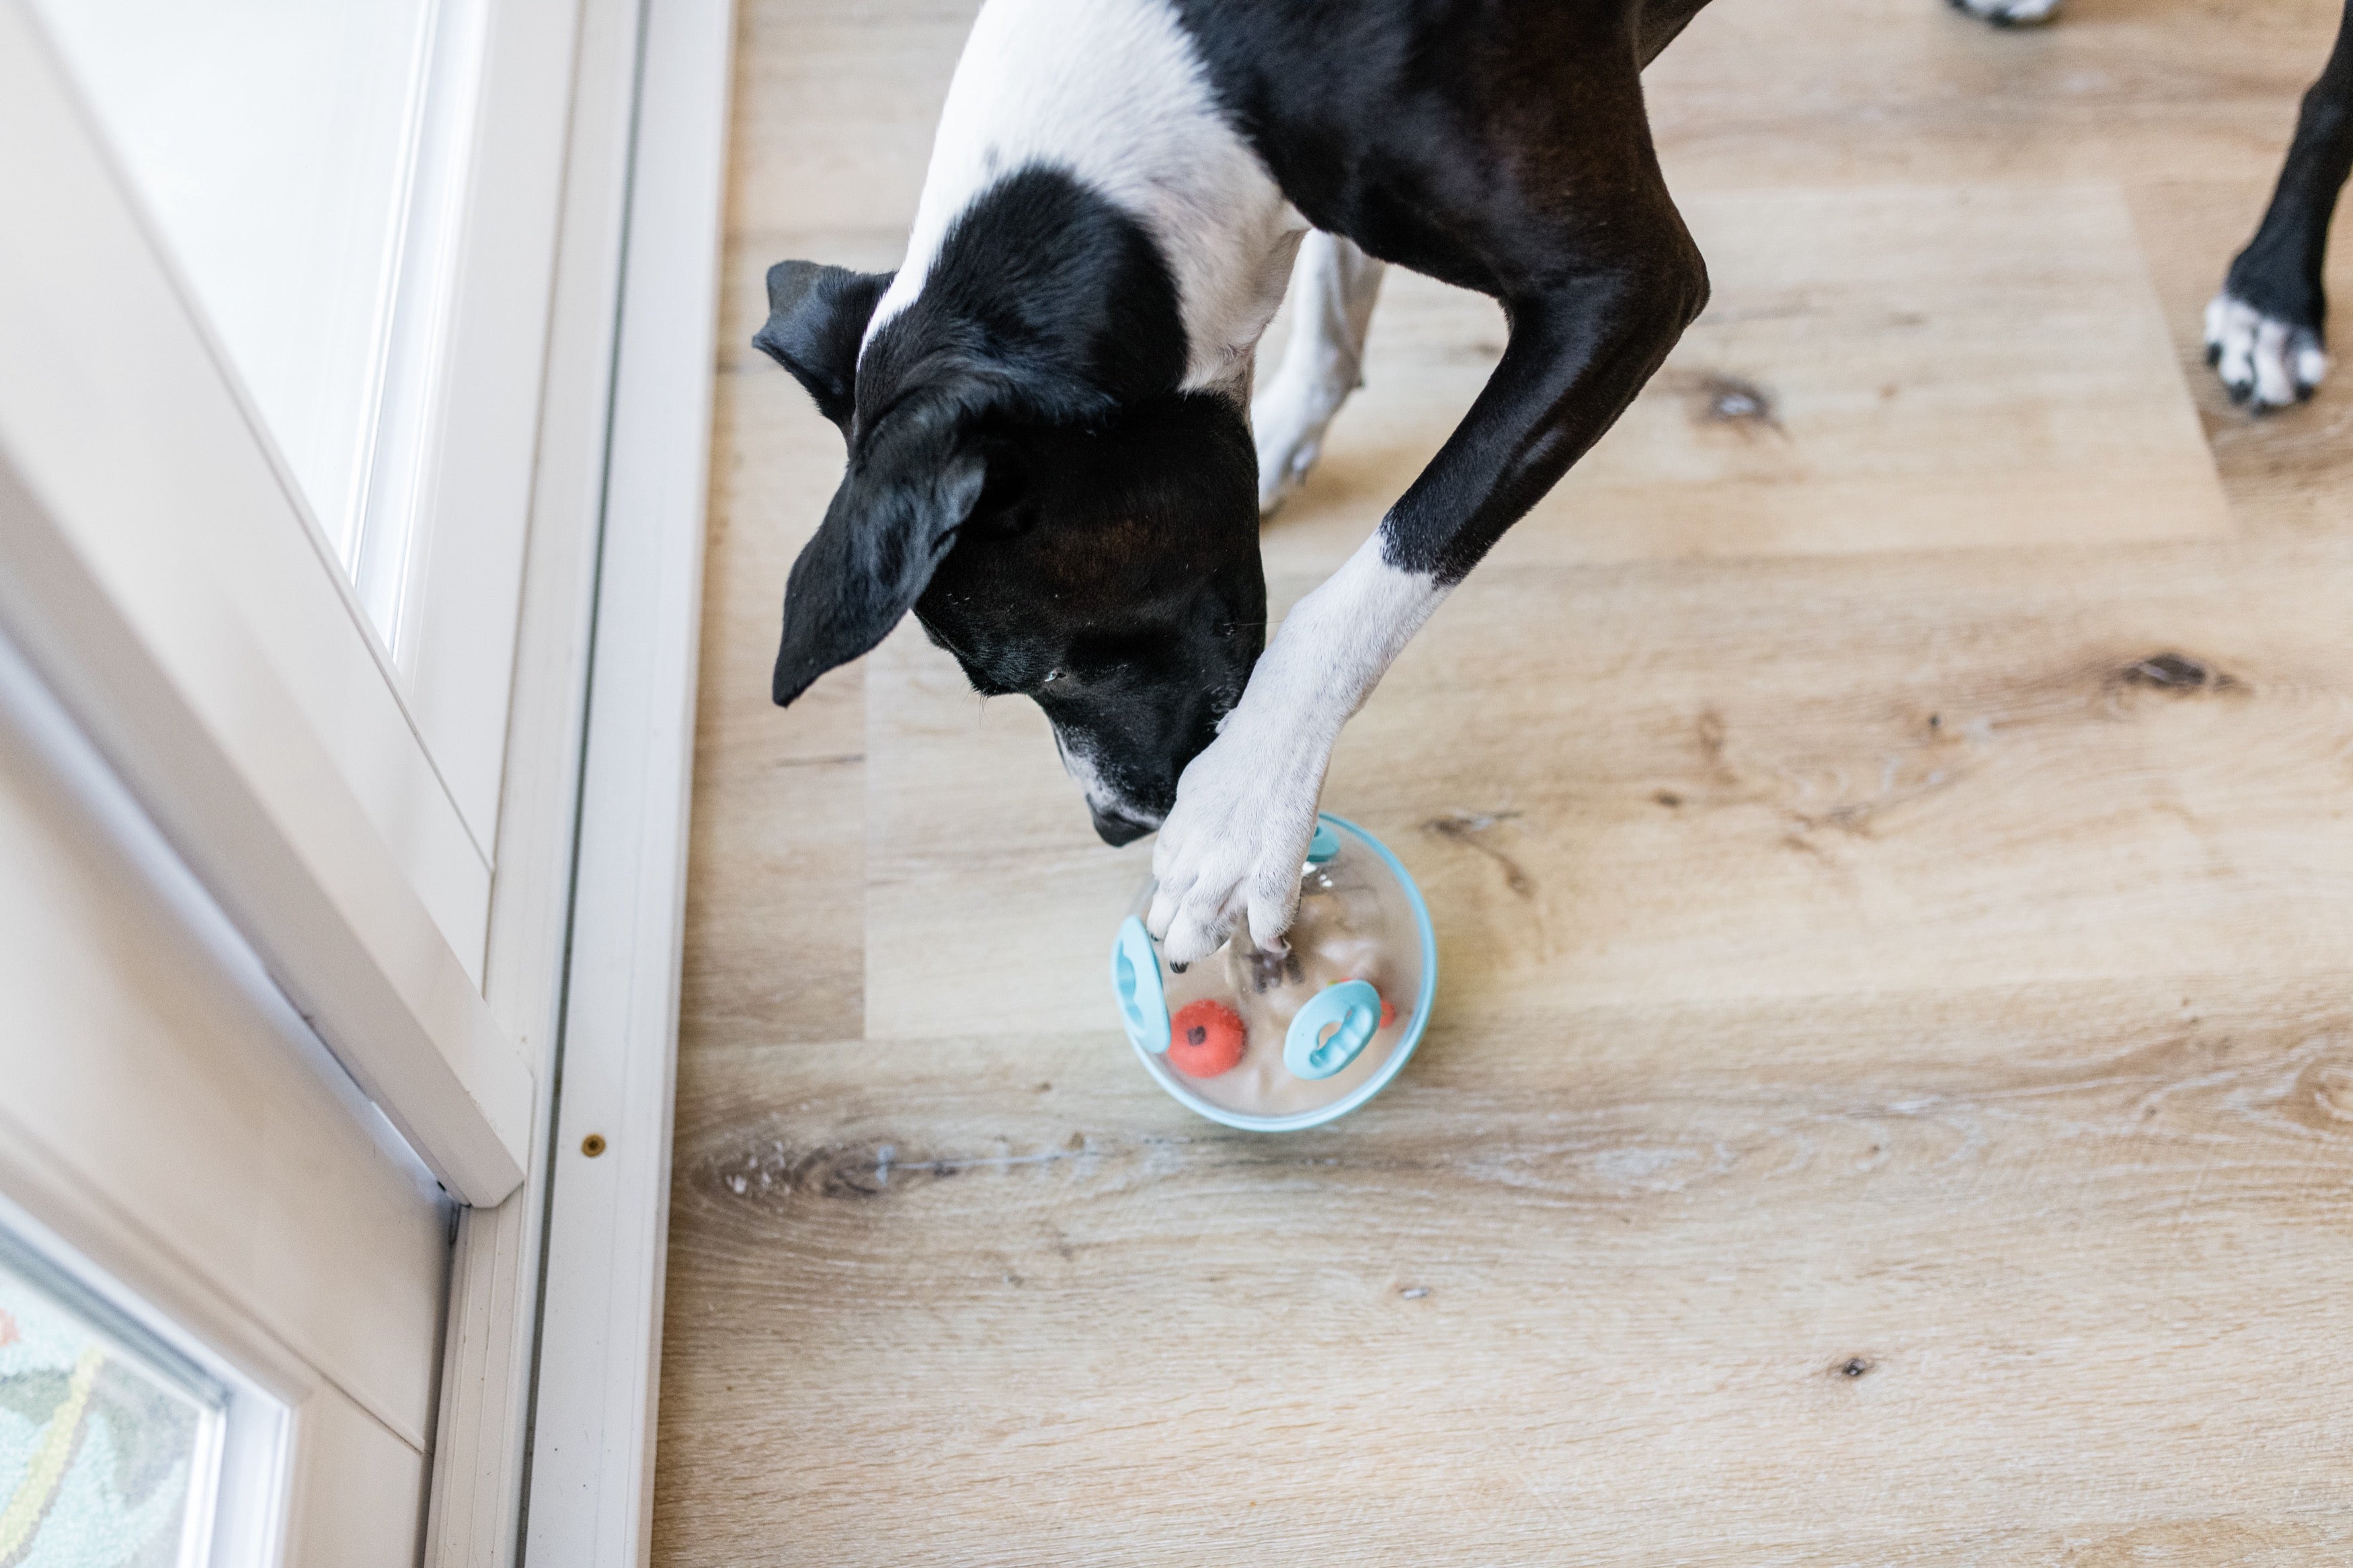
{"points": [[2266, 331], [1232, 849], [1245, 809], [1333, 287]]}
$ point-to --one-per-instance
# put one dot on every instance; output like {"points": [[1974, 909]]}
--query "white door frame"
{"points": [[580, 955], [625, 438]]}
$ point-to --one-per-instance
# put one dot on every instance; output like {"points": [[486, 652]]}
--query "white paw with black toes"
{"points": [[2010, 13], [1230, 853], [2265, 362]]}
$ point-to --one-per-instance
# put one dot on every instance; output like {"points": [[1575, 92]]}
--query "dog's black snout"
{"points": [[1116, 828]]}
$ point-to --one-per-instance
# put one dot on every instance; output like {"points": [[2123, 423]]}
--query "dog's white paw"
{"points": [[2010, 13], [2265, 362], [1288, 425], [1232, 849]]}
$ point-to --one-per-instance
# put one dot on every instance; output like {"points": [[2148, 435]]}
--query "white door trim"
{"points": [[475, 1516], [600, 1352], [625, 433]]}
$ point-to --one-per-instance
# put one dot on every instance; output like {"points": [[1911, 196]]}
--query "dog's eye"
{"points": [[1000, 513], [1006, 483], [1057, 679]]}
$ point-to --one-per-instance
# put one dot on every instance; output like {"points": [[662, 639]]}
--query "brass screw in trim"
{"points": [[593, 1145]]}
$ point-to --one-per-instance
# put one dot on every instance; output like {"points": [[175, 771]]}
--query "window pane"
{"points": [[108, 1452], [276, 146]]}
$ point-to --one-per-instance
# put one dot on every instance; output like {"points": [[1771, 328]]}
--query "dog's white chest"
{"points": [[1114, 93]]}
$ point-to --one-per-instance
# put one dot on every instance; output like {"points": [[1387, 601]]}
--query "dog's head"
{"points": [[1098, 554]]}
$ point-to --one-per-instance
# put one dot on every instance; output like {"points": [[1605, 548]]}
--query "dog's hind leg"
{"points": [[2265, 329], [1333, 287]]}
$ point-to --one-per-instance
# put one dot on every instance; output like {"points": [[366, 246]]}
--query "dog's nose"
{"points": [[1116, 828]]}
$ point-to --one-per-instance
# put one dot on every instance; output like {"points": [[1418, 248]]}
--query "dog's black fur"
{"points": [[1461, 142], [1026, 474], [1023, 472]]}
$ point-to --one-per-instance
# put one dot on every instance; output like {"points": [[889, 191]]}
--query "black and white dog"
{"points": [[1048, 406]]}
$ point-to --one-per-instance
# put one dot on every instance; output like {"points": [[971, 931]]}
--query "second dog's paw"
{"points": [[2009, 13], [1231, 851], [2265, 362]]}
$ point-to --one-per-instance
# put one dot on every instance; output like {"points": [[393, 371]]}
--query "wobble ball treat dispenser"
{"points": [[1273, 1042]]}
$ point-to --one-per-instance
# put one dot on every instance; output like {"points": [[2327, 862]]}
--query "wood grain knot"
{"points": [[767, 1171], [1728, 402], [2178, 673]]}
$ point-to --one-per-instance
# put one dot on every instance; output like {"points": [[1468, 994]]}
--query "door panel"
{"points": [[159, 567], [126, 423], [464, 581], [167, 1115], [360, 1493], [271, 142], [270, 410]]}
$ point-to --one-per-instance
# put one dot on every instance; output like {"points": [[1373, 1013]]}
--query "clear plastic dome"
{"points": [[1274, 1042]]}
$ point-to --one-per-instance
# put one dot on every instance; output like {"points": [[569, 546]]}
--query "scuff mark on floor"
{"points": [[1467, 827]]}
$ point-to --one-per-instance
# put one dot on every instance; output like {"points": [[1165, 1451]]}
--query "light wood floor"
{"points": [[1890, 1099]]}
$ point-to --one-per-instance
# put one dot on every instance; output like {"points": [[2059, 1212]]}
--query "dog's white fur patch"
{"points": [[1114, 93], [1232, 849], [1332, 289], [2267, 363], [1079, 763], [1080, 766]]}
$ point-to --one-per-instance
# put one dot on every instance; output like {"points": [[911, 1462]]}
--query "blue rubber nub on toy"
{"points": [[1351, 1011], [1325, 845], [1135, 981]]}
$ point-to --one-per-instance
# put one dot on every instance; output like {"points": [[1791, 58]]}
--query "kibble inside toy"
{"points": [[1206, 1038]]}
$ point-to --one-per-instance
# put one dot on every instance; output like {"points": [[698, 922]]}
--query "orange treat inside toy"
{"points": [[1205, 1038]]}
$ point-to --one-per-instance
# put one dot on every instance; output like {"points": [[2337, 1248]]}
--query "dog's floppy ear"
{"points": [[816, 318], [891, 523]]}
